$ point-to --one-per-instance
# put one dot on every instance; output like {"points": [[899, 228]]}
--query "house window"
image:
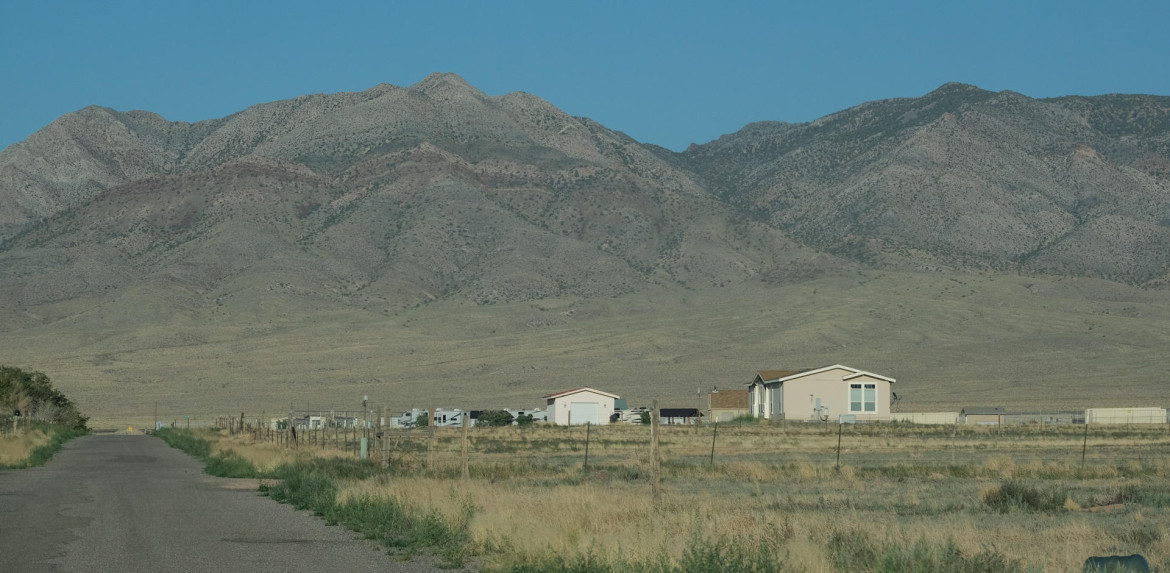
{"points": [[863, 397]]}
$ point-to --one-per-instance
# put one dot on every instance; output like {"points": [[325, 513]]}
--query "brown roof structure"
{"points": [[767, 375], [729, 400]]}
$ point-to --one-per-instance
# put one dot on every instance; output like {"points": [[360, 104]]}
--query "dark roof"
{"points": [[983, 410], [729, 399], [767, 375], [679, 413]]}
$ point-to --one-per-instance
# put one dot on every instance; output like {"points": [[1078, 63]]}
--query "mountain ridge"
{"points": [[456, 232]]}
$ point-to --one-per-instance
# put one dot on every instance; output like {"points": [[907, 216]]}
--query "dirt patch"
{"points": [[243, 484], [1105, 508]]}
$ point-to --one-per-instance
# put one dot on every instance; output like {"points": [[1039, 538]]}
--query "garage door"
{"points": [[581, 412]]}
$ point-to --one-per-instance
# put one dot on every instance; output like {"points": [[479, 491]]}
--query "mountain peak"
{"points": [[956, 89], [445, 82]]}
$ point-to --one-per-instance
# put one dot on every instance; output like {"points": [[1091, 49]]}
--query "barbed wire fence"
{"points": [[1040, 441]]}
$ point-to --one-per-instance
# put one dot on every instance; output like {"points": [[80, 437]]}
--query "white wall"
{"points": [[560, 407]]}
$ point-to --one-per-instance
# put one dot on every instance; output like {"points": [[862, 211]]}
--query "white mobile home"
{"points": [[820, 394]]}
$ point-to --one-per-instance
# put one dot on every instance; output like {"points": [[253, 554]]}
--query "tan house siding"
{"points": [[795, 397]]}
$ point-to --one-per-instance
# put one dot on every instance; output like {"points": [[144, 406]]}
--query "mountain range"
{"points": [[397, 199]]}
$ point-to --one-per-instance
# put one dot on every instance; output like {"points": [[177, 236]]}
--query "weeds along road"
{"points": [[131, 503]]}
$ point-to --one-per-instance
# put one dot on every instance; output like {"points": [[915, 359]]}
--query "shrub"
{"points": [[34, 392], [230, 465], [496, 418], [1013, 494]]}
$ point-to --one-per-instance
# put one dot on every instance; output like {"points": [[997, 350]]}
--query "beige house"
{"points": [[580, 405], [727, 404], [820, 394]]}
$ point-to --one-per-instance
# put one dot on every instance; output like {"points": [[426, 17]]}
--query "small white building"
{"points": [[580, 405]]}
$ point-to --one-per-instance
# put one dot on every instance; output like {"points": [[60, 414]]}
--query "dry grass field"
{"points": [[17, 447], [1016, 495], [1025, 343]]}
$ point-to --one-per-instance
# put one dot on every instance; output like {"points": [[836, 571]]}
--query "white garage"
{"points": [[580, 405]]}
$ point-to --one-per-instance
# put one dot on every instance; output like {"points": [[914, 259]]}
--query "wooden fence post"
{"points": [[839, 427], [380, 440], [1084, 446], [655, 486], [430, 440], [466, 469], [588, 425], [714, 435]]}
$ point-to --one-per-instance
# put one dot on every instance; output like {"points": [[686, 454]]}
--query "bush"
{"points": [[856, 552], [524, 420], [496, 418], [1013, 494], [230, 465], [34, 393]]}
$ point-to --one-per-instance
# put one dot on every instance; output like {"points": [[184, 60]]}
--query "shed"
{"points": [[580, 405], [725, 405], [982, 415], [679, 415]]}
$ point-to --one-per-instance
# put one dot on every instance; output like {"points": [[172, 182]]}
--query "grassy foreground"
{"points": [[36, 446], [904, 501]]}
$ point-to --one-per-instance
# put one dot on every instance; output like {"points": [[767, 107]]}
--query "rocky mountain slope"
{"points": [[395, 196], [385, 198], [431, 241], [964, 179]]}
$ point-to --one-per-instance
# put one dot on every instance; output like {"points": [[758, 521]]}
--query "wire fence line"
{"points": [[630, 448], [11, 424]]}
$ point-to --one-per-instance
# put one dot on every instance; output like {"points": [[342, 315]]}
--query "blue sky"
{"points": [[669, 73]]}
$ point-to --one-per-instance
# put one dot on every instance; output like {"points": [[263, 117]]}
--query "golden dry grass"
{"points": [[266, 456], [778, 486], [15, 448]]}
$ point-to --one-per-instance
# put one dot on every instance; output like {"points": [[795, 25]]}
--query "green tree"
{"points": [[33, 394], [524, 420], [496, 418], [422, 420]]}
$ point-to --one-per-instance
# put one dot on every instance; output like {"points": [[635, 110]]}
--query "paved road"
{"points": [[131, 503]]}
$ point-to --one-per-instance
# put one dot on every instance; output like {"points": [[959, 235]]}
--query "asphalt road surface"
{"points": [[131, 503]]}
